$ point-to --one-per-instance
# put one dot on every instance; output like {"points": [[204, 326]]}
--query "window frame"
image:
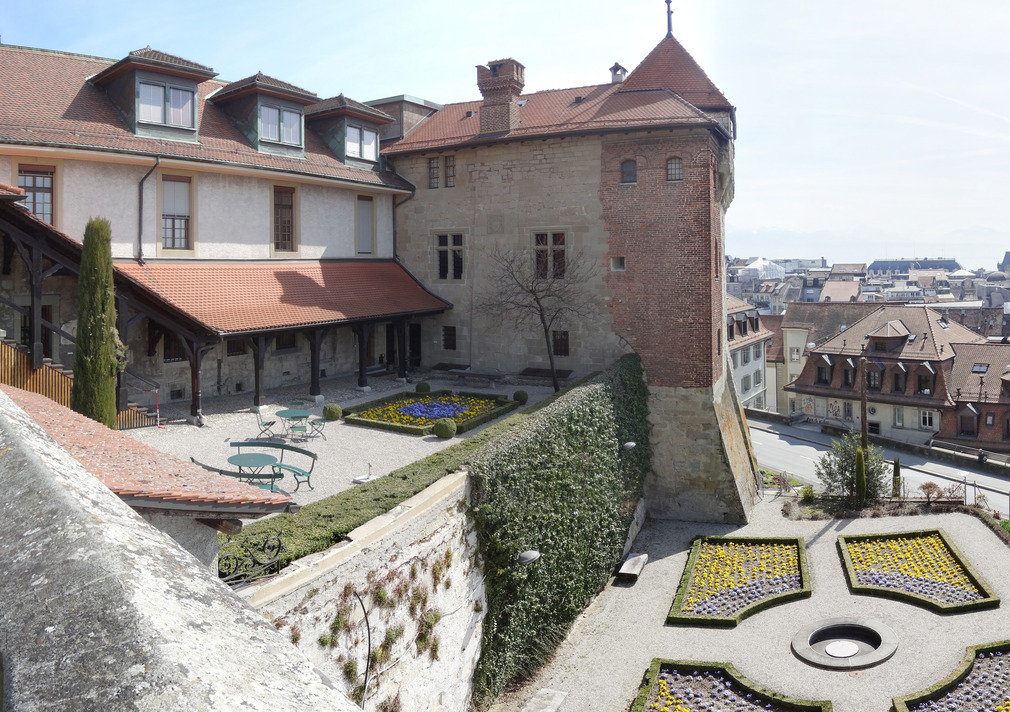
{"points": [[545, 254], [178, 353], [190, 225], [281, 110], [449, 170], [561, 343], [899, 417], [745, 383], [35, 171], [361, 198], [450, 337], [285, 347], [451, 252], [230, 350], [874, 379], [291, 190], [166, 104], [362, 130], [629, 171], [925, 415], [433, 173], [678, 171], [847, 411]]}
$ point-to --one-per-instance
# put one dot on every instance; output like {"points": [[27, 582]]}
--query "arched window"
{"points": [[674, 169], [629, 171]]}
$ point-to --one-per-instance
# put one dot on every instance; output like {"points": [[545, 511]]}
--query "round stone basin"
{"points": [[845, 643]]}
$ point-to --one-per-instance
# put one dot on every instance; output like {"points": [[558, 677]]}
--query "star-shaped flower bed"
{"points": [[690, 686], [727, 579], [981, 683], [920, 567]]}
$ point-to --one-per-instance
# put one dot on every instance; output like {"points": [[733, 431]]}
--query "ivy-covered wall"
{"points": [[560, 483]]}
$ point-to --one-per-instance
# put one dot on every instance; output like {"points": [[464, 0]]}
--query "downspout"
{"points": [[140, 211], [395, 206]]}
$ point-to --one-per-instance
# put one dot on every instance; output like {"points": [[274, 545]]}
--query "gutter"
{"points": [[140, 211]]}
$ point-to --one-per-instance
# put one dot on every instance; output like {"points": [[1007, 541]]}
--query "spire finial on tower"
{"points": [[669, 20]]}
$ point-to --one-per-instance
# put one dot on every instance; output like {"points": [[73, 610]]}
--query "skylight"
{"points": [[980, 368]]}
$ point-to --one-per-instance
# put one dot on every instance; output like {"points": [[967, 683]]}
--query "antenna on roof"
{"points": [[669, 20]]}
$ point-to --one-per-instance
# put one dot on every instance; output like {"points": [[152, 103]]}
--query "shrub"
{"points": [[521, 397], [350, 670], [896, 479], [444, 428], [331, 411], [422, 387], [566, 459], [837, 469], [807, 494]]}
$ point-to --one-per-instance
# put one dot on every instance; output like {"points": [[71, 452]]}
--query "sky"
{"points": [[867, 129]]}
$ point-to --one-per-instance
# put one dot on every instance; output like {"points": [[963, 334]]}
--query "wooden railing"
{"points": [[54, 384]]}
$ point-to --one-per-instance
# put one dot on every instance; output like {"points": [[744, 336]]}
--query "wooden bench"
{"points": [[263, 480], [299, 473]]}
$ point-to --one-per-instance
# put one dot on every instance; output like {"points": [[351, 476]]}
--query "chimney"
{"points": [[617, 73], [500, 83]]}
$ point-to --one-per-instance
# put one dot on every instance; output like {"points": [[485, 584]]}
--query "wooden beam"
{"points": [[315, 339], [401, 347], [35, 313]]}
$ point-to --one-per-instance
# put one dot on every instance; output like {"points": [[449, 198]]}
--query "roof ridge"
{"points": [[531, 94], [43, 50]]}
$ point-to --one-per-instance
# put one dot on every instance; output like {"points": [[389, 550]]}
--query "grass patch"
{"points": [[320, 525]]}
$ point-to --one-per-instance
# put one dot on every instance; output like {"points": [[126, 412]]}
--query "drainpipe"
{"points": [[140, 211], [395, 206]]}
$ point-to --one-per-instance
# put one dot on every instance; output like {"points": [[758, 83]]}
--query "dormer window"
{"points": [[164, 104], [362, 143], [280, 125]]}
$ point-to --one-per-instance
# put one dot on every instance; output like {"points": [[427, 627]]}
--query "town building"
{"points": [[847, 271], [748, 343], [892, 268]]}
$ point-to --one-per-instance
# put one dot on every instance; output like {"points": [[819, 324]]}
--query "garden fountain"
{"points": [[845, 643]]}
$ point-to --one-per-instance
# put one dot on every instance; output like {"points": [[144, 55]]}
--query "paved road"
{"points": [[796, 449]]}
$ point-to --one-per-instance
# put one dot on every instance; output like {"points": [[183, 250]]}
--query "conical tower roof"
{"points": [[670, 67]]}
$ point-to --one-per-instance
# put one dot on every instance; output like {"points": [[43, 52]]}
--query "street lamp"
{"points": [[528, 557], [630, 445]]}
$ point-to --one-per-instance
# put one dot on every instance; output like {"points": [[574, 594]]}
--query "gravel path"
{"points": [[346, 453], [601, 663]]}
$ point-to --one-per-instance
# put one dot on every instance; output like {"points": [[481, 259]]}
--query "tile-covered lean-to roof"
{"points": [[48, 101], [132, 469], [237, 297]]}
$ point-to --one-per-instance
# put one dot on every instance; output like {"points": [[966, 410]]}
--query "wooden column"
{"points": [[362, 331], [195, 350], [315, 338], [259, 345], [401, 347], [35, 308]]}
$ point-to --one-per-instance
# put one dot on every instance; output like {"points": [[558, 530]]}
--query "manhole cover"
{"points": [[841, 649]]}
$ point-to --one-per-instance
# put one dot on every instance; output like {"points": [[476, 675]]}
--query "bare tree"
{"points": [[532, 287]]}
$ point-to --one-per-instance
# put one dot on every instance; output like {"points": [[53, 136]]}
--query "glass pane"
{"points": [[152, 103], [180, 109], [174, 198], [457, 240], [541, 263], [292, 127], [541, 238], [457, 264], [443, 264], [558, 238], [559, 263], [270, 123], [353, 142], [369, 145], [443, 240], [363, 226]]}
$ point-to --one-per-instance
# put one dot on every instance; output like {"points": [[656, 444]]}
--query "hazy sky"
{"points": [[869, 128]]}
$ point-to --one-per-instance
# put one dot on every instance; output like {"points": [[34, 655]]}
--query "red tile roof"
{"points": [[735, 304], [340, 104], [47, 101], [773, 349], [166, 58], [932, 337], [670, 67], [662, 91], [264, 81], [235, 297], [132, 469], [10, 190], [966, 384]]}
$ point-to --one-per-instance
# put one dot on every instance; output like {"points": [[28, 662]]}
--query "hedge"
{"points": [[763, 695], [910, 702], [989, 600], [677, 617], [561, 483], [320, 525]]}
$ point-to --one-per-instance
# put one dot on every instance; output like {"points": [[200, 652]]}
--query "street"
{"points": [[795, 450]]}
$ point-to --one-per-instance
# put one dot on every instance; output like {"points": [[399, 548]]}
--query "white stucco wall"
{"points": [[911, 431]]}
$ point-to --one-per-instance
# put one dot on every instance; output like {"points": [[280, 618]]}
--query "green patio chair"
{"points": [[266, 426]]}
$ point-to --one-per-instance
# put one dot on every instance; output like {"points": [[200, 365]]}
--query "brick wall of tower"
{"points": [[668, 303]]}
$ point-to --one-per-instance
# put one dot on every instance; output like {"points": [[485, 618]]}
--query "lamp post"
{"points": [[368, 658], [528, 557]]}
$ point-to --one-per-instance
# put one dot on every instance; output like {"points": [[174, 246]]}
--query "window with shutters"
{"points": [[364, 225]]}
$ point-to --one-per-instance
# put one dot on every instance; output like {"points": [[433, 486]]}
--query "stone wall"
{"points": [[414, 568]]}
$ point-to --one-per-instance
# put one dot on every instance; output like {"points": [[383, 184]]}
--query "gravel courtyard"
{"points": [[601, 663], [345, 454]]}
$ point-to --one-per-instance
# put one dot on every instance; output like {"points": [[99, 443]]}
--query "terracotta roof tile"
{"points": [[11, 190], [131, 468], [735, 304], [670, 67], [933, 335], [49, 102], [824, 319], [553, 112], [245, 297], [342, 103], [974, 386], [840, 291], [773, 322], [259, 79], [166, 58]]}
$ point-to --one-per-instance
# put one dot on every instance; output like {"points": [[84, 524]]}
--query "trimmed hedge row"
{"points": [[675, 617], [909, 702], [659, 664], [991, 600], [562, 484]]}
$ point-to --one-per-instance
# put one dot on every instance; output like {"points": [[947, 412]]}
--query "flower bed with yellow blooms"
{"points": [[416, 413], [980, 683], [727, 579], [921, 567], [691, 686]]}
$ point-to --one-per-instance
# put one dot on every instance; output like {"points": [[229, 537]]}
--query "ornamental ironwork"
{"points": [[239, 563]]}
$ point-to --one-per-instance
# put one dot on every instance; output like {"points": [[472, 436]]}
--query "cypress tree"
{"points": [[96, 361], [896, 479], [860, 475]]}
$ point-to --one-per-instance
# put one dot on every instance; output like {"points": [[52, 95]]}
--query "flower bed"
{"points": [[727, 579], [981, 683], [416, 413], [690, 686], [921, 567]]}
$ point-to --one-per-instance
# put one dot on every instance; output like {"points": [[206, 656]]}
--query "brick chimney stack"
{"points": [[500, 83]]}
